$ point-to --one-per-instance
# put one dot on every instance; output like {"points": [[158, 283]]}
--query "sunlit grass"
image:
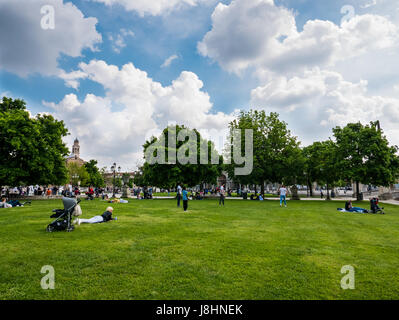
{"points": [[245, 250]]}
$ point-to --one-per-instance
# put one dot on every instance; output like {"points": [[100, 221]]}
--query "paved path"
{"points": [[342, 199]]}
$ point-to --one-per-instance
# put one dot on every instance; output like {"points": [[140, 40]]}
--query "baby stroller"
{"points": [[374, 208], [63, 217]]}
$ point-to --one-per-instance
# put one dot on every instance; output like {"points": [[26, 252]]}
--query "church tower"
{"points": [[76, 148]]}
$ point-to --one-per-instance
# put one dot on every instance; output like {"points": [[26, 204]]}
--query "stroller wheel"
{"points": [[50, 228]]}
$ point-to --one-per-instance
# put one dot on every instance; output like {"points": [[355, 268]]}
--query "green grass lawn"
{"points": [[245, 250]]}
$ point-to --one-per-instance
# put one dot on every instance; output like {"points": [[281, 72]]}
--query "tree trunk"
{"points": [[310, 189], [294, 193], [328, 194], [357, 191], [262, 189]]}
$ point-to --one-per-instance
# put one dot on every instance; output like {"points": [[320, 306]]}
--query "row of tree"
{"points": [[32, 152], [356, 153]]}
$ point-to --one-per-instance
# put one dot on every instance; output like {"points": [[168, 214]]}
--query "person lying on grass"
{"points": [[105, 217]]}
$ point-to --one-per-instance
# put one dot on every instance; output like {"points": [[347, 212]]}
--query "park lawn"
{"points": [[245, 250]]}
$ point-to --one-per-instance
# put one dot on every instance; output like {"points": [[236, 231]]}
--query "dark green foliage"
{"points": [[170, 175], [31, 149]]}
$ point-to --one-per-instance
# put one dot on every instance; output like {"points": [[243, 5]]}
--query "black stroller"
{"points": [[63, 217], [374, 208]]}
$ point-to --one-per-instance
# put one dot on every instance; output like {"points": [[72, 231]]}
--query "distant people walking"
{"points": [[179, 194], [321, 193], [222, 195], [283, 196], [185, 199]]}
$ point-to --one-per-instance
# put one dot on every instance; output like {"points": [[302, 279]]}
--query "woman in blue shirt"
{"points": [[185, 199]]}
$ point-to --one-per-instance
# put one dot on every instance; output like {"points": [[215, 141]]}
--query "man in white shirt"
{"points": [[179, 190], [283, 195], [222, 195]]}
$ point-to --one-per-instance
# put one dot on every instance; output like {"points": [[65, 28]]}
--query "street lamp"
{"points": [[75, 177], [125, 179], [113, 169]]}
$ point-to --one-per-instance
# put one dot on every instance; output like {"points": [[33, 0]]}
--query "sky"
{"points": [[119, 71]]}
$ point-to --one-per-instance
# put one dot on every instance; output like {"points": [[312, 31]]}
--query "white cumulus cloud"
{"points": [[264, 36], [134, 108], [27, 48]]}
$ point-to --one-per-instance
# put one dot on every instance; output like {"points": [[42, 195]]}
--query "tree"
{"points": [[31, 148], [276, 153], [364, 155], [77, 175], [170, 173], [326, 168], [95, 177], [321, 165]]}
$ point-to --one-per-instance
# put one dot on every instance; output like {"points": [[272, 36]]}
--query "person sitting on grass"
{"points": [[4, 204], [105, 217], [12, 203], [350, 208]]}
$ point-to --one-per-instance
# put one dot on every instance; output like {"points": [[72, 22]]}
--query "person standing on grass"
{"points": [[283, 196], [185, 199], [179, 193], [222, 195]]}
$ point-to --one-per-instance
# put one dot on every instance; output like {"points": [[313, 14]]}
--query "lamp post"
{"points": [[113, 169], [75, 177], [125, 178]]}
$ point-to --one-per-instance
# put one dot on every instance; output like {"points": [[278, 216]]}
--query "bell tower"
{"points": [[76, 148]]}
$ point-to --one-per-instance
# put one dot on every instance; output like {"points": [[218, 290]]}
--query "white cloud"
{"points": [[152, 7], [27, 48], [134, 108], [372, 3], [262, 35], [169, 61], [319, 100], [119, 41]]}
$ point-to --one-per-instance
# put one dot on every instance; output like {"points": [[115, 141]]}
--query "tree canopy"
{"points": [[31, 148], [364, 155], [170, 173], [277, 156], [95, 178]]}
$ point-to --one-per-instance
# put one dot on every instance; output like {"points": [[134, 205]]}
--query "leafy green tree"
{"points": [[321, 165], [31, 148], [276, 153], [78, 175], [364, 155], [95, 177], [170, 174], [327, 168]]}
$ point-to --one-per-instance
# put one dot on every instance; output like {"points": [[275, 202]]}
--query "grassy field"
{"points": [[245, 250]]}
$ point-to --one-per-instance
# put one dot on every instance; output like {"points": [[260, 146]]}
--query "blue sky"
{"points": [[292, 78]]}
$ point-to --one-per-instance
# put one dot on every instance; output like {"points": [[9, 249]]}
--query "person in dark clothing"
{"points": [[221, 195], [105, 217]]}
